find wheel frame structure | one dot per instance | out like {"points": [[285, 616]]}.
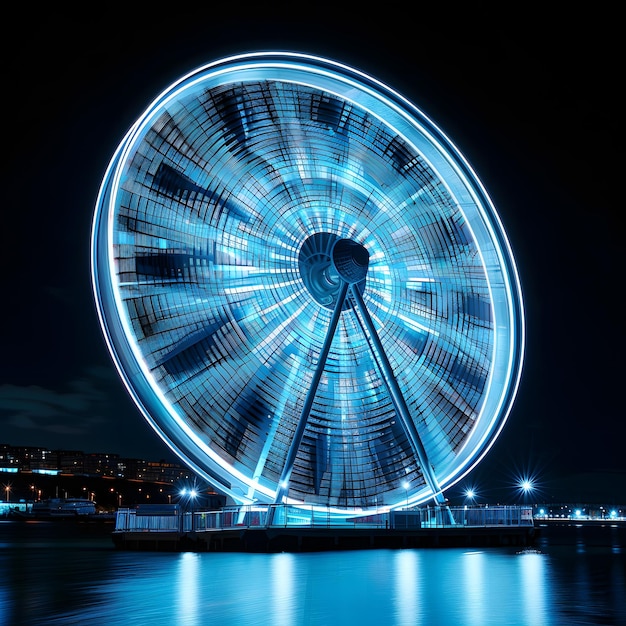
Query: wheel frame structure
{"points": [[305, 287]]}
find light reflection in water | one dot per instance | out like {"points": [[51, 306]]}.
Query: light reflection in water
{"points": [[406, 598], [52, 582], [473, 576], [283, 581], [533, 586], [187, 581]]}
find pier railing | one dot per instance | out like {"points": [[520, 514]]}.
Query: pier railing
{"points": [[179, 520]]}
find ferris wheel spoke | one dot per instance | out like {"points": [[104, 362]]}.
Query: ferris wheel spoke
{"points": [[308, 402], [380, 357]]}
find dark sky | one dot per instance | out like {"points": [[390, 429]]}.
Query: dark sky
{"points": [[529, 98]]}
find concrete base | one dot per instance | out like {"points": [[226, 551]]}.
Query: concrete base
{"points": [[270, 540]]}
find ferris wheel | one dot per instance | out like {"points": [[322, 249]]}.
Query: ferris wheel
{"points": [[305, 287]]}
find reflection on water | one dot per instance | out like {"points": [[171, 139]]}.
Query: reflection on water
{"points": [[55, 574]]}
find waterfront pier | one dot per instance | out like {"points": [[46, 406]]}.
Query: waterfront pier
{"points": [[301, 529]]}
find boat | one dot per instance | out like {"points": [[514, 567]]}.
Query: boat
{"points": [[59, 509], [63, 507]]}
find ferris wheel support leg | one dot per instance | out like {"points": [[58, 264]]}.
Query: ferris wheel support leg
{"points": [[308, 402], [398, 399]]}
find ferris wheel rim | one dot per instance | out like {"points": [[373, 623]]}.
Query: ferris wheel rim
{"points": [[119, 332]]}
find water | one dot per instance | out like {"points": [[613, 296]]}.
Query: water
{"points": [[59, 573]]}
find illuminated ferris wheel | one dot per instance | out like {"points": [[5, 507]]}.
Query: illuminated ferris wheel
{"points": [[305, 288]]}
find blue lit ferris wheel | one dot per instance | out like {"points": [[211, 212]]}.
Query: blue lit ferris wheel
{"points": [[305, 287]]}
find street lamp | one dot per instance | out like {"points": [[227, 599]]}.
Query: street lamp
{"points": [[406, 486], [193, 494], [470, 494], [190, 495], [526, 486]]}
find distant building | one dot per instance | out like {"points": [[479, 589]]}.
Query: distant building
{"points": [[76, 462], [27, 458], [101, 464], [164, 472], [71, 461]]}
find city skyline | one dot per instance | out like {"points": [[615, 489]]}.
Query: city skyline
{"points": [[531, 114], [44, 450], [21, 477]]}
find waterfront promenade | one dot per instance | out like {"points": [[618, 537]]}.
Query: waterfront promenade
{"points": [[212, 526], [283, 528]]}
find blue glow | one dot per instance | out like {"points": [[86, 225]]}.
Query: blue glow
{"points": [[188, 494], [475, 595], [284, 597], [187, 577], [213, 280], [406, 570], [533, 585]]}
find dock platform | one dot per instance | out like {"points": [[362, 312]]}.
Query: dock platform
{"points": [[293, 529], [321, 539]]}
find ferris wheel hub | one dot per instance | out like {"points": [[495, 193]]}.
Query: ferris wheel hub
{"points": [[351, 260]]}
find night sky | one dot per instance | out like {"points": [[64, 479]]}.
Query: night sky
{"points": [[529, 98]]}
